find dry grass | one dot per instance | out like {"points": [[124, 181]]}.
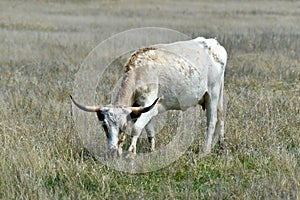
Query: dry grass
{"points": [[42, 46]]}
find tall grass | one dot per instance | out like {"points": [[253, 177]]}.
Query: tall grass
{"points": [[41, 155]]}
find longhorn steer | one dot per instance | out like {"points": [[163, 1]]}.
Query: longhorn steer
{"points": [[166, 77]]}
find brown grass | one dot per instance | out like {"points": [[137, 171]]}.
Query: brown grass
{"points": [[42, 46]]}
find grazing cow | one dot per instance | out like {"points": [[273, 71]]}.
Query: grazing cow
{"points": [[166, 77]]}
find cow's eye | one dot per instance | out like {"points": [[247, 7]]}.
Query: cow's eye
{"points": [[105, 123], [100, 116]]}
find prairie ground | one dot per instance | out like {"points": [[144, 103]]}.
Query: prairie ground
{"points": [[42, 44]]}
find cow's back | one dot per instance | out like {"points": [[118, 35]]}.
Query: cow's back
{"points": [[205, 54]]}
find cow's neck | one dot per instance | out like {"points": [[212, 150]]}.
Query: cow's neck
{"points": [[125, 95]]}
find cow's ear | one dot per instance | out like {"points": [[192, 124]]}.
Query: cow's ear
{"points": [[100, 115], [133, 116]]}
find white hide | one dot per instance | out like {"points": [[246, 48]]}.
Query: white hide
{"points": [[183, 74]]}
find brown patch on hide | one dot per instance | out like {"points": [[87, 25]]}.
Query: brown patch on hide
{"points": [[133, 58]]}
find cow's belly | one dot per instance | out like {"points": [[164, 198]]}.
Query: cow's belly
{"points": [[180, 94]]}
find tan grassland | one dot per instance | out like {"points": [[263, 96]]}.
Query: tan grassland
{"points": [[43, 42]]}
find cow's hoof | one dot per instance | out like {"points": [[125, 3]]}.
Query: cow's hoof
{"points": [[205, 152], [128, 155], [112, 154]]}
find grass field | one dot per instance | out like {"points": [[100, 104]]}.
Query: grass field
{"points": [[42, 44]]}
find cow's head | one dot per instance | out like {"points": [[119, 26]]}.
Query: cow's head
{"points": [[114, 121]]}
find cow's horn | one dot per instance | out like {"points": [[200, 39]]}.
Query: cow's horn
{"points": [[140, 110], [86, 108]]}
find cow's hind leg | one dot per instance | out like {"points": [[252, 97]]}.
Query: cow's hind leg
{"points": [[211, 104], [151, 135], [220, 121]]}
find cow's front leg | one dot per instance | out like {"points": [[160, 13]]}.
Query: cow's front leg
{"points": [[134, 136], [121, 143], [151, 135], [138, 126], [136, 132]]}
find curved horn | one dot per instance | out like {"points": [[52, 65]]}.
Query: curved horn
{"points": [[86, 108], [140, 110]]}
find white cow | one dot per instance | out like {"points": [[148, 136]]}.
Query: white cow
{"points": [[166, 77]]}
